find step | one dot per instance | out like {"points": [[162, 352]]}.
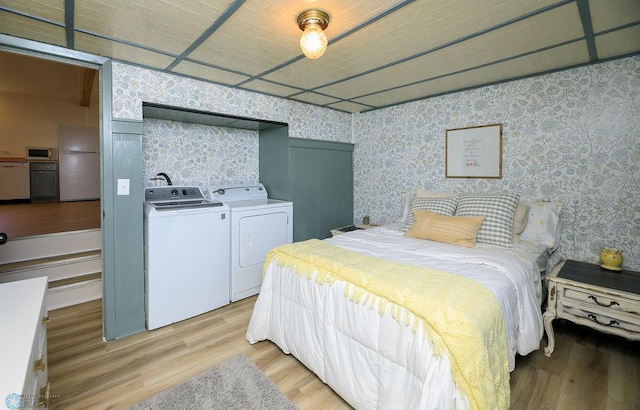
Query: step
{"points": [[73, 291], [50, 245], [74, 280], [55, 267]]}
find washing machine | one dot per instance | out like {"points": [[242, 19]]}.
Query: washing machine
{"points": [[186, 254], [258, 224]]}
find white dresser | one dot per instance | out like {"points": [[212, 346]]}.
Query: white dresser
{"points": [[23, 345]]}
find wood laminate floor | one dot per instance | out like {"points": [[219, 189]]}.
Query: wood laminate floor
{"points": [[20, 220], [588, 370]]}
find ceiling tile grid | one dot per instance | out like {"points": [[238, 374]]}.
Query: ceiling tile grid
{"points": [[381, 52]]}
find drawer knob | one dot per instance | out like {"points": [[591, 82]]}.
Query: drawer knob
{"points": [[39, 364], [612, 303], [595, 319]]}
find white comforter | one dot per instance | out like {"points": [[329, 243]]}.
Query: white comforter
{"points": [[372, 361]]}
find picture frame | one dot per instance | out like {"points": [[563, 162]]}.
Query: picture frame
{"points": [[474, 152]]}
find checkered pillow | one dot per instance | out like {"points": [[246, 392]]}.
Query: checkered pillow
{"points": [[443, 206], [499, 210]]}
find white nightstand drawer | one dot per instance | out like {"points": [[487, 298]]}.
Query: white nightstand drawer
{"points": [[601, 317], [591, 297]]}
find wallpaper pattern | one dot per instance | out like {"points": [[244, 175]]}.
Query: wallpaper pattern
{"points": [[132, 85], [195, 154], [571, 136]]}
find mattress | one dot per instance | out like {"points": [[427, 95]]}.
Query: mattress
{"points": [[380, 363]]}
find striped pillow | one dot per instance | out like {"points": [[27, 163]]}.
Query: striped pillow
{"points": [[442, 206], [499, 210], [455, 230]]}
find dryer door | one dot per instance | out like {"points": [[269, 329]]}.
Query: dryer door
{"points": [[259, 234]]}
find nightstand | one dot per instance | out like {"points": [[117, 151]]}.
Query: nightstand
{"points": [[349, 228], [589, 295]]}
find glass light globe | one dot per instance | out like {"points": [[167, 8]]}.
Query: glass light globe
{"points": [[313, 41]]}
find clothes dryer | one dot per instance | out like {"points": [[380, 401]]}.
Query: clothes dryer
{"points": [[258, 224]]}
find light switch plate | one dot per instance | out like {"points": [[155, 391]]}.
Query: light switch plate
{"points": [[123, 187]]}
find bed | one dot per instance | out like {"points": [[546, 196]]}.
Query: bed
{"points": [[379, 346]]}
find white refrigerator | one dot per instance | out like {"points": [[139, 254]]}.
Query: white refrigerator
{"points": [[79, 163]]}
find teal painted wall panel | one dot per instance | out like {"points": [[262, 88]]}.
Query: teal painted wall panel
{"points": [[317, 176], [124, 285]]}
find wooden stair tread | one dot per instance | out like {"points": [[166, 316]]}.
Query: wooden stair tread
{"points": [[76, 279], [8, 267]]}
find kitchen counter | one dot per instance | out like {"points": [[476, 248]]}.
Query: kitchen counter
{"points": [[23, 159], [13, 159]]}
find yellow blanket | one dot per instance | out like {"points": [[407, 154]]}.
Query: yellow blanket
{"points": [[462, 318]]}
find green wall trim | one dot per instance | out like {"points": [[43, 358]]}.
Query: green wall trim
{"points": [[320, 144], [124, 126]]}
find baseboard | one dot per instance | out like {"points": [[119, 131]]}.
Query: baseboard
{"points": [[74, 294]]}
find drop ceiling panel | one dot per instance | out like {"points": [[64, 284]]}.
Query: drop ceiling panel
{"points": [[418, 27], [209, 73], [263, 34], [349, 106], [619, 42], [31, 29], [269, 88], [314, 98], [45, 9], [572, 54], [608, 14], [525, 36], [119, 51], [157, 24], [375, 45]]}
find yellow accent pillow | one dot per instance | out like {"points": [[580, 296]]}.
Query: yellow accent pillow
{"points": [[455, 230]]}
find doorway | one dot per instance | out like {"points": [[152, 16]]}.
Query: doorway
{"points": [[38, 96]]}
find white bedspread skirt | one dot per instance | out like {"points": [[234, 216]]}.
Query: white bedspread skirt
{"points": [[370, 360]]}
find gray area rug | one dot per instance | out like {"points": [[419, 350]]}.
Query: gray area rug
{"points": [[235, 384]]}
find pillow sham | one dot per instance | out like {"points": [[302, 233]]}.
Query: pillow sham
{"points": [[499, 211], [420, 193], [520, 218], [544, 224], [454, 230], [443, 206]]}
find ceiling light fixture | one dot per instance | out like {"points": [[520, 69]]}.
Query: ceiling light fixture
{"points": [[313, 42]]}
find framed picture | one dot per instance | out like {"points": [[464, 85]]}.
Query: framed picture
{"points": [[474, 152]]}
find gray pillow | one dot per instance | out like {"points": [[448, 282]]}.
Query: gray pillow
{"points": [[498, 209], [443, 206]]}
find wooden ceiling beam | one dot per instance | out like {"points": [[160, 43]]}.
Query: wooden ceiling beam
{"points": [[88, 76]]}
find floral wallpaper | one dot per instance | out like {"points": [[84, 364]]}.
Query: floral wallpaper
{"points": [[195, 154], [132, 85], [571, 136]]}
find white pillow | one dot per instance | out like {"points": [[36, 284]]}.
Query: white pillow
{"points": [[544, 224]]}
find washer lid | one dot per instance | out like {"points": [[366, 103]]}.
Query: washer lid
{"points": [[228, 193]]}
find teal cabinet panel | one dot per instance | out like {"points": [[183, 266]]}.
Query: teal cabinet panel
{"points": [[317, 176], [335, 200], [304, 193]]}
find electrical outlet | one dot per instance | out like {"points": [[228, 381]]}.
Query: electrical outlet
{"points": [[123, 187]]}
